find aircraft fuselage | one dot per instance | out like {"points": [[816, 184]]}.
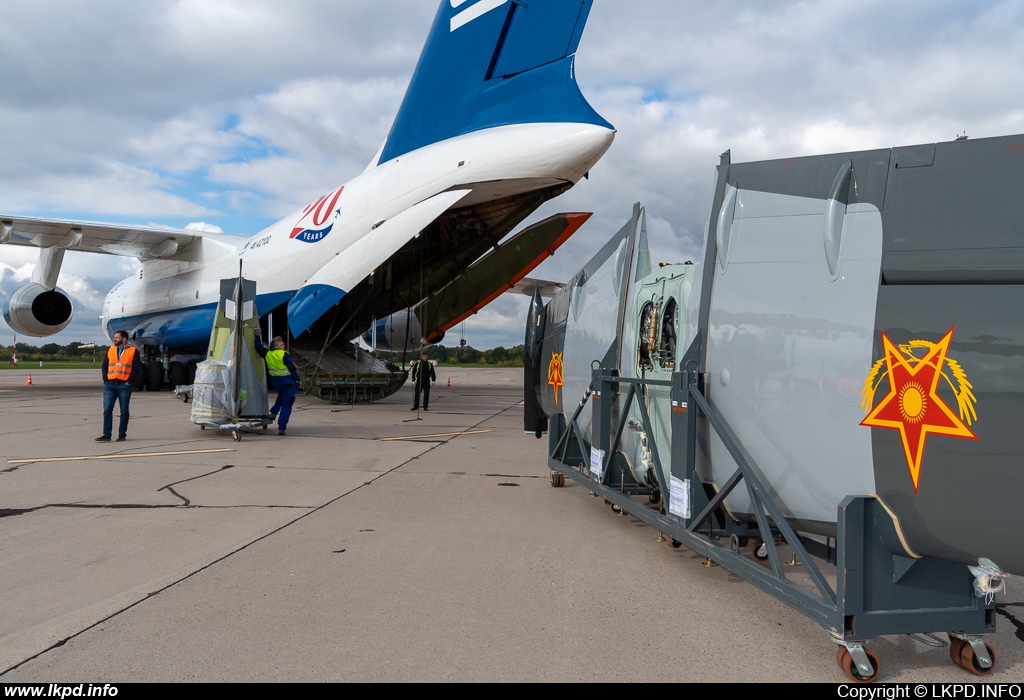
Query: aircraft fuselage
{"points": [[172, 302]]}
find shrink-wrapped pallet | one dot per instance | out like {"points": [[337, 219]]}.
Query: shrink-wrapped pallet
{"points": [[212, 393]]}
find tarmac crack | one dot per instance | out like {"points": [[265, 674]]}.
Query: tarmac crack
{"points": [[185, 501], [241, 548], [8, 512], [1001, 609]]}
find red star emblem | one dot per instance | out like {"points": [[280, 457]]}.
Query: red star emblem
{"points": [[912, 405], [556, 372]]}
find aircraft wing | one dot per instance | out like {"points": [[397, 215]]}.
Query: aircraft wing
{"points": [[144, 242]]}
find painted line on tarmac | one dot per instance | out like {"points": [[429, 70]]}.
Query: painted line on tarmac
{"points": [[435, 435], [126, 456]]}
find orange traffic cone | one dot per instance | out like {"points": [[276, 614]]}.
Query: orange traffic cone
{"points": [[29, 382], [449, 382]]}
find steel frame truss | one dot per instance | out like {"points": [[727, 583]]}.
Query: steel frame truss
{"points": [[877, 592]]}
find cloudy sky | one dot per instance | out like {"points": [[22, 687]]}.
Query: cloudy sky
{"points": [[234, 113]]}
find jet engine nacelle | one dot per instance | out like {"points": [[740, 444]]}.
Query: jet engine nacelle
{"points": [[37, 312], [399, 331]]}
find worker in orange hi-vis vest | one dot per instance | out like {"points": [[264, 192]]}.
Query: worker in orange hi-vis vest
{"points": [[120, 366]]}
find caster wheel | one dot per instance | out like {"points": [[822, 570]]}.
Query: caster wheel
{"points": [[264, 427], [655, 497], [955, 646], [615, 508], [202, 427], [969, 660], [846, 663], [674, 543], [607, 502], [557, 480], [236, 436], [761, 554]]}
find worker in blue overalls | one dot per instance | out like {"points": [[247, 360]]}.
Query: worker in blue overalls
{"points": [[283, 377]]}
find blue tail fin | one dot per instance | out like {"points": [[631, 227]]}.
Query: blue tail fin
{"points": [[492, 63]]}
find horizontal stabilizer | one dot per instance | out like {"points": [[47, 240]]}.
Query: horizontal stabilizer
{"points": [[331, 282], [496, 273]]}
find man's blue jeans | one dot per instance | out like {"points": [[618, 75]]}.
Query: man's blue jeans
{"points": [[122, 393]]}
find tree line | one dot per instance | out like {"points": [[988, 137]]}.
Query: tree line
{"points": [[465, 355], [50, 352]]}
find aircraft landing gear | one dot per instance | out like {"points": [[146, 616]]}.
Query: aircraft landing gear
{"points": [[155, 380]]}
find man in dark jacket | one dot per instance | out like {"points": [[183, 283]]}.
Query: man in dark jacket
{"points": [[423, 377], [121, 365]]}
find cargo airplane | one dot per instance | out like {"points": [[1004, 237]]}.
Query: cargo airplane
{"points": [[492, 125]]}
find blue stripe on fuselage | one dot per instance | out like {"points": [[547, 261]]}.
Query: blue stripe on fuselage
{"points": [[184, 330]]}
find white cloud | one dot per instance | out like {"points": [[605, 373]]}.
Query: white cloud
{"points": [[238, 112], [116, 188], [203, 226], [186, 143]]}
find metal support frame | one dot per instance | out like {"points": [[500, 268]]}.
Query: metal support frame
{"points": [[879, 590], [877, 593]]}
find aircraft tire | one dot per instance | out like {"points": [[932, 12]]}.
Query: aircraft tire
{"points": [[155, 376], [139, 382], [178, 374]]}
